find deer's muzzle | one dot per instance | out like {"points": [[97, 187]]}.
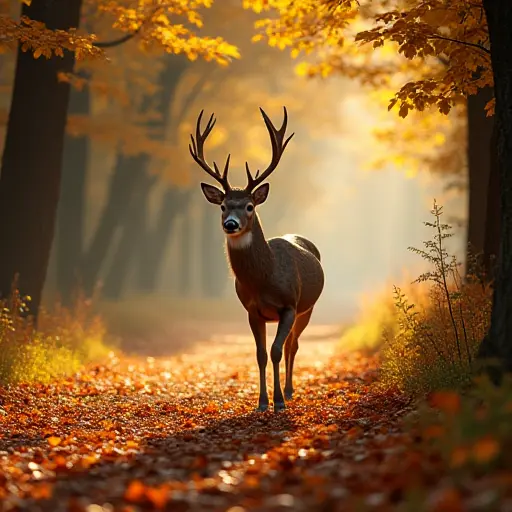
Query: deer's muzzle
{"points": [[231, 225]]}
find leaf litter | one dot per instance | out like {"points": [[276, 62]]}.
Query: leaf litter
{"points": [[182, 435]]}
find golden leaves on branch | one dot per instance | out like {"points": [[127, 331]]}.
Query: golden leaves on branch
{"points": [[152, 23], [450, 38], [35, 37]]}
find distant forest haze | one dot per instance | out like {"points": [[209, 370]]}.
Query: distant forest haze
{"points": [[164, 240], [356, 178]]}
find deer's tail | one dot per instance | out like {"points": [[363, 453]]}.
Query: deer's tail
{"points": [[308, 245]]}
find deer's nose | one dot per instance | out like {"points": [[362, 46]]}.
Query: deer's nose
{"points": [[231, 225]]}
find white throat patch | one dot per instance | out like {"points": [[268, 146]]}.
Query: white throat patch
{"points": [[240, 241]]}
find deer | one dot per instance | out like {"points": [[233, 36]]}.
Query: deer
{"points": [[276, 280]]}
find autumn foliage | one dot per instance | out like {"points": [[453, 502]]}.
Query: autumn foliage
{"points": [[64, 340], [403, 426]]}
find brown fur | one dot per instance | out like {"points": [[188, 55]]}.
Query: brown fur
{"points": [[281, 272], [276, 280]]}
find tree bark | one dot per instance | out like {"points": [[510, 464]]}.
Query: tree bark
{"points": [[498, 342], [71, 210], [480, 128], [492, 218], [32, 158]]}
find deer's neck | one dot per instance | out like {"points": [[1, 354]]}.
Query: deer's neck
{"points": [[250, 256]]}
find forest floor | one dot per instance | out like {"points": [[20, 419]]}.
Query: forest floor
{"points": [[180, 434]]}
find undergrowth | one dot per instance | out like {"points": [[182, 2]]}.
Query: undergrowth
{"points": [[428, 334], [64, 340], [435, 346]]}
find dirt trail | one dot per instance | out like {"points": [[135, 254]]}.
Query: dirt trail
{"points": [[180, 434]]}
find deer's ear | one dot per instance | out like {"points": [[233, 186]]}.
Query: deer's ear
{"points": [[260, 195], [213, 194]]}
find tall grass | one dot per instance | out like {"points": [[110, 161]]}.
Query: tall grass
{"points": [[64, 340]]}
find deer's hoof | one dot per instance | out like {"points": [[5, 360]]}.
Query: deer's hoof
{"points": [[279, 406], [288, 394], [262, 408]]}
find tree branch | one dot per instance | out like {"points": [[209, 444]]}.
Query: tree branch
{"points": [[126, 37], [465, 43], [117, 42]]}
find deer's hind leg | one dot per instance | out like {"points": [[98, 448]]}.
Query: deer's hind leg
{"points": [[291, 348]]}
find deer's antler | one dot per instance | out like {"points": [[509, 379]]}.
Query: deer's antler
{"points": [[197, 152], [278, 146]]}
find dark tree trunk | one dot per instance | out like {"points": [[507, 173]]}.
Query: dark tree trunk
{"points": [[129, 170], [152, 254], [493, 216], [480, 128], [498, 343], [32, 158], [71, 211], [213, 259], [122, 185], [134, 224]]}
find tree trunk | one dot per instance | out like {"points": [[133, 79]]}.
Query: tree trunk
{"points": [[480, 129], [135, 221], [71, 211], [492, 221], [122, 184], [498, 343], [152, 256], [129, 170], [213, 259], [32, 158]]}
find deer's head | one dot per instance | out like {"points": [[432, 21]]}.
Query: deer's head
{"points": [[238, 204]]}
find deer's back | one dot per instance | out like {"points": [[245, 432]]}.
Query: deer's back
{"points": [[298, 269], [306, 244]]}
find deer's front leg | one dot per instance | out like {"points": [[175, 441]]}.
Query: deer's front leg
{"points": [[286, 321], [259, 330]]}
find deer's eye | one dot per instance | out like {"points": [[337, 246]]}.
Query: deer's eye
{"points": [[249, 208], [222, 208]]}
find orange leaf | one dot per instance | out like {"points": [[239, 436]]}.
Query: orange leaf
{"points": [[446, 401], [447, 500], [212, 407], [54, 441], [459, 456], [134, 491], [158, 496], [433, 432], [43, 491], [486, 449]]}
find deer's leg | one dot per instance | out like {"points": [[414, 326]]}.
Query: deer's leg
{"points": [[284, 329], [291, 348], [259, 330]]}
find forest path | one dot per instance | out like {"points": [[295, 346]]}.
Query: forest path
{"points": [[181, 434]]}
